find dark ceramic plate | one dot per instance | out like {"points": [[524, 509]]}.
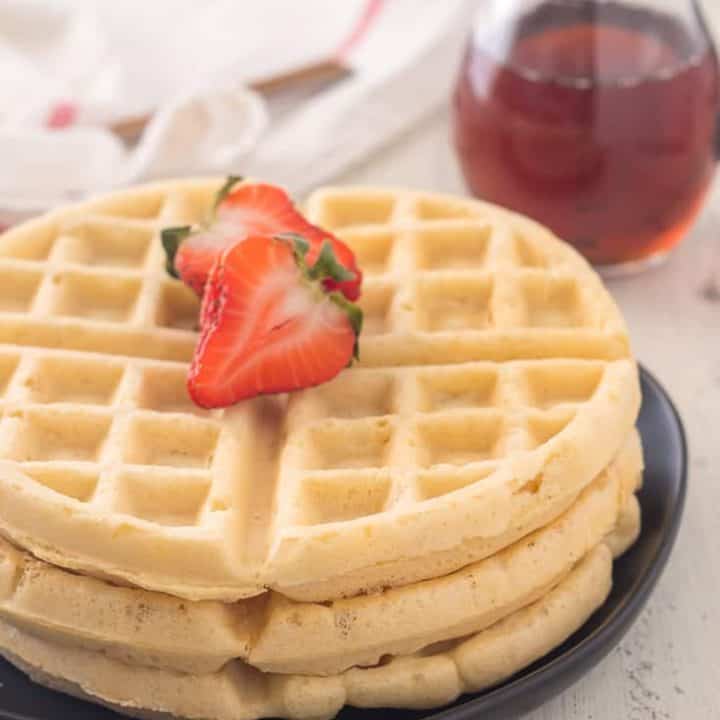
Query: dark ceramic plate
{"points": [[636, 573]]}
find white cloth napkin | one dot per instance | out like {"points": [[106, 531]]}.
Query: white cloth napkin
{"points": [[83, 64]]}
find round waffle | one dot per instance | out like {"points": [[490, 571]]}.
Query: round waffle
{"points": [[495, 383], [279, 635]]}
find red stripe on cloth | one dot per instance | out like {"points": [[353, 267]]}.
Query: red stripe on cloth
{"points": [[367, 17], [61, 116]]}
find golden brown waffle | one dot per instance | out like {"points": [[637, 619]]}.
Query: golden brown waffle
{"points": [[278, 635], [239, 692], [449, 280], [495, 383]]}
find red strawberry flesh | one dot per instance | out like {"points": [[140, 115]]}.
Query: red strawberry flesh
{"points": [[266, 328], [255, 209]]}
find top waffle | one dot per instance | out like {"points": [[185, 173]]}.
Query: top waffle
{"points": [[495, 382]]}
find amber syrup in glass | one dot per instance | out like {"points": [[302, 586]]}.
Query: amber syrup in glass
{"points": [[598, 123]]}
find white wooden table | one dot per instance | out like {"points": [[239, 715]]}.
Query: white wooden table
{"points": [[668, 667]]}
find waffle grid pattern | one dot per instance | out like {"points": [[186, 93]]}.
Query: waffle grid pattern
{"points": [[436, 267], [275, 634], [419, 433], [90, 281], [485, 340], [119, 434], [106, 429]]}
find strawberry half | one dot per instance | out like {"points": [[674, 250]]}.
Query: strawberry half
{"points": [[250, 209], [269, 325]]}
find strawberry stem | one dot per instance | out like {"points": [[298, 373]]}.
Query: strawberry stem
{"points": [[171, 240]]}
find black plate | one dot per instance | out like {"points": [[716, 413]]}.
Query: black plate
{"points": [[636, 573]]}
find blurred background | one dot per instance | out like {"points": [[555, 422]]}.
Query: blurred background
{"points": [[95, 95], [559, 109]]}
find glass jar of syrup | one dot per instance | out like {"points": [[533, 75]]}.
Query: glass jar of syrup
{"points": [[597, 118]]}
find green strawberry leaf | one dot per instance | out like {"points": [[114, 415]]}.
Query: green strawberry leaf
{"points": [[327, 266], [225, 190], [300, 247], [355, 316], [171, 240]]}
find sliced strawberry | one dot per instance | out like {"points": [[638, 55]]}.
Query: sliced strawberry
{"points": [[190, 256], [269, 325], [250, 209]]}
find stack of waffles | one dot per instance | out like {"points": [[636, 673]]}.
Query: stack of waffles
{"points": [[430, 522]]}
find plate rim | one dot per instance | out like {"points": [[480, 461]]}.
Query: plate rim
{"points": [[579, 659]]}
